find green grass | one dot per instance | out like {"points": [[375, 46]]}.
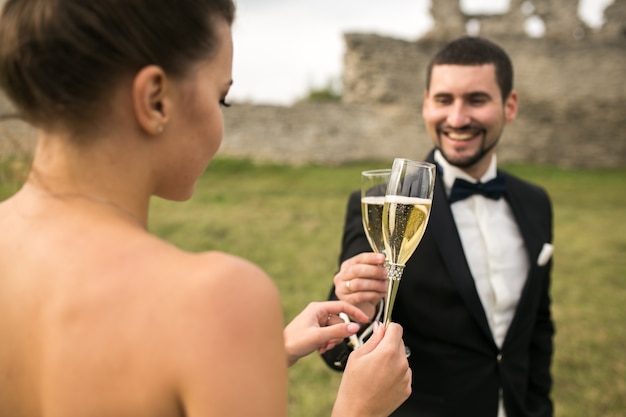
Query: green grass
{"points": [[289, 221]]}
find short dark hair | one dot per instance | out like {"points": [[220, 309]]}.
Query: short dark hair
{"points": [[58, 58], [472, 50]]}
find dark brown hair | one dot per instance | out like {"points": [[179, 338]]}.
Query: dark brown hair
{"points": [[58, 58], [470, 50]]}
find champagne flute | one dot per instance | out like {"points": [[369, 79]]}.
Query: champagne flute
{"points": [[373, 187], [406, 211]]}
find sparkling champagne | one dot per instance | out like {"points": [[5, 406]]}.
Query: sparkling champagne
{"points": [[372, 209], [404, 223]]}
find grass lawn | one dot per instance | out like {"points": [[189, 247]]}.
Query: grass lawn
{"points": [[289, 221]]}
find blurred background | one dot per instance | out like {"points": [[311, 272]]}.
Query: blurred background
{"points": [[327, 81], [311, 90], [285, 48]]}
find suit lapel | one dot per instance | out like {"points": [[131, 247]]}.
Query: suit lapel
{"points": [[532, 241], [447, 238], [517, 202]]}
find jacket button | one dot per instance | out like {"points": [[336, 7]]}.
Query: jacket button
{"points": [[499, 357]]}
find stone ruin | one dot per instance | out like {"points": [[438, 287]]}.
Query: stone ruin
{"points": [[571, 82]]}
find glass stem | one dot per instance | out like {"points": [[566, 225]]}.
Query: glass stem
{"points": [[394, 273]]}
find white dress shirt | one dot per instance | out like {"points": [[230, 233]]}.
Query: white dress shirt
{"points": [[494, 250]]}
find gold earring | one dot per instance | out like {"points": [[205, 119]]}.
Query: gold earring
{"points": [[159, 129]]}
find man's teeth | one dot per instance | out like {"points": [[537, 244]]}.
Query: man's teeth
{"points": [[460, 136]]}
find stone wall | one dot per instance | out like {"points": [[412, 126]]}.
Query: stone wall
{"points": [[570, 82], [323, 133], [571, 85]]}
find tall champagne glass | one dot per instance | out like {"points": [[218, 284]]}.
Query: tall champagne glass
{"points": [[406, 211], [373, 187]]}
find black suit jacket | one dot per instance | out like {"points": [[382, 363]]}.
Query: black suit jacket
{"points": [[458, 369]]}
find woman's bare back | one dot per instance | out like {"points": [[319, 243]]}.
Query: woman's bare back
{"points": [[100, 318]]}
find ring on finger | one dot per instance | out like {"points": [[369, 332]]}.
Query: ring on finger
{"points": [[348, 286]]}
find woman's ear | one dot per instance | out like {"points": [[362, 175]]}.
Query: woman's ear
{"points": [[150, 100]]}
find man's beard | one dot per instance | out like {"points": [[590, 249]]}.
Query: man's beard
{"points": [[472, 160]]}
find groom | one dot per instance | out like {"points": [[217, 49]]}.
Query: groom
{"points": [[474, 298]]}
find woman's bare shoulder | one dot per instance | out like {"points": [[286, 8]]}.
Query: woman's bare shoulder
{"points": [[215, 322], [227, 280], [216, 271], [227, 337]]}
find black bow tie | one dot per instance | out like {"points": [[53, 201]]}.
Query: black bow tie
{"points": [[462, 189]]}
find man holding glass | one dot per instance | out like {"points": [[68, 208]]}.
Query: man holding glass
{"points": [[474, 299]]}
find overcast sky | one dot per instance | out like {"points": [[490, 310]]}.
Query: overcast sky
{"points": [[283, 48]]}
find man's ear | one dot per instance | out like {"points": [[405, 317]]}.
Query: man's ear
{"points": [[510, 107], [150, 99]]}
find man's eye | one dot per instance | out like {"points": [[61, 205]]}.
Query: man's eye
{"points": [[478, 101], [224, 103]]}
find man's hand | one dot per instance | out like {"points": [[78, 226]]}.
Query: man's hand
{"points": [[362, 281]]}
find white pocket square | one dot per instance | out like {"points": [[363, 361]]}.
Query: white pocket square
{"points": [[545, 254]]}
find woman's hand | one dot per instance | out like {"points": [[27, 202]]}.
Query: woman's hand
{"points": [[318, 327], [377, 378]]}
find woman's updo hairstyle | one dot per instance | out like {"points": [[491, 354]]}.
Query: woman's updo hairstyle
{"points": [[58, 58]]}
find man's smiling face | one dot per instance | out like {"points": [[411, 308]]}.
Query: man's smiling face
{"points": [[465, 115]]}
